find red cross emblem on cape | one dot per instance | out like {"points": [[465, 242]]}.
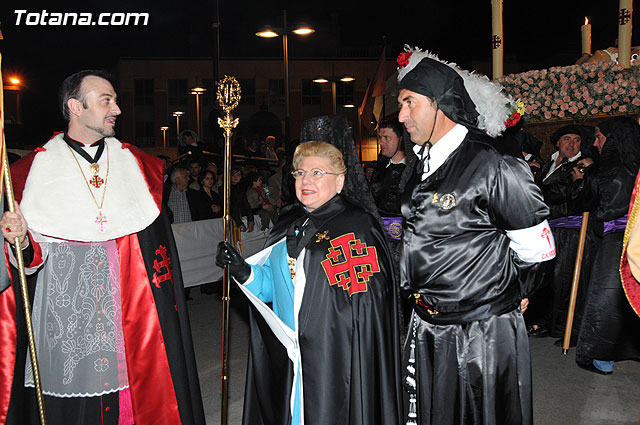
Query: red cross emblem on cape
{"points": [[159, 265], [350, 263]]}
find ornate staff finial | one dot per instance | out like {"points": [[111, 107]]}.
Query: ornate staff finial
{"points": [[228, 98]]}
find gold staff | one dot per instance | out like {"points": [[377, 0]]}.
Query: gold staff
{"points": [[26, 304], [228, 98], [576, 280]]}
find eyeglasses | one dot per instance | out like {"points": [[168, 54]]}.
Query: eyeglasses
{"points": [[315, 174]]}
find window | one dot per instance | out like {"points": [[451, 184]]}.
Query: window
{"points": [[177, 92], [276, 91], [143, 92], [209, 97], [344, 93], [144, 133], [248, 91], [311, 92]]}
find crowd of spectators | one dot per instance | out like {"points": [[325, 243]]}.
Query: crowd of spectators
{"points": [[194, 182]]}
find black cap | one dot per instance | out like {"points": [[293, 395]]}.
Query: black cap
{"points": [[442, 83]]}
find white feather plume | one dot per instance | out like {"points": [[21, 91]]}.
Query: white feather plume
{"points": [[492, 104]]}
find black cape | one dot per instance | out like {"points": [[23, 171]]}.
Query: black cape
{"points": [[349, 349], [605, 332]]}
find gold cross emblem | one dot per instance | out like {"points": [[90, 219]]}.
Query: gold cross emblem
{"points": [[322, 235]]}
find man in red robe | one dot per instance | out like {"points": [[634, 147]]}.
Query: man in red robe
{"points": [[110, 322]]}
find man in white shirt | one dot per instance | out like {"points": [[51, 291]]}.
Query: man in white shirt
{"points": [[475, 234], [568, 140]]}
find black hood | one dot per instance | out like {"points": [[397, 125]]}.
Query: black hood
{"points": [[440, 82]]}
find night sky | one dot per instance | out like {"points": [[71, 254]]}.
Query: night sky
{"points": [[537, 34]]}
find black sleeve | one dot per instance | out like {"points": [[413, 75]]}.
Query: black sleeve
{"points": [[516, 201]]}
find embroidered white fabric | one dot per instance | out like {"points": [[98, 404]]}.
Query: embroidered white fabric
{"points": [[77, 321]]}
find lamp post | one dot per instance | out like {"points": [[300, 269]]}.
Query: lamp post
{"points": [[164, 129], [333, 79], [15, 85], [197, 91], [177, 114], [271, 32]]}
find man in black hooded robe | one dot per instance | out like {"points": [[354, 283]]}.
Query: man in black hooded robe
{"points": [[475, 234]]}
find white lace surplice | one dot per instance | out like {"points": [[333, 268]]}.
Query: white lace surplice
{"points": [[77, 320]]}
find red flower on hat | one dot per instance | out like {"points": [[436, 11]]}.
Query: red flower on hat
{"points": [[403, 59], [513, 119]]}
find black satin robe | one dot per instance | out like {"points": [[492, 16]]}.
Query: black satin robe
{"points": [[385, 187], [472, 362], [348, 343], [549, 305], [609, 323]]}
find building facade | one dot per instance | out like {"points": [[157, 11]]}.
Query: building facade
{"points": [[151, 90]]}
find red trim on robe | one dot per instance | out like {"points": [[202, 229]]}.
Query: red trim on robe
{"points": [[152, 392], [19, 172], [630, 285], [7, 343], [37, 254], [151, 168]]}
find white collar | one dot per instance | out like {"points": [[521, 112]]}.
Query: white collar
{"points": [[402, 161], [555, 166], [442, 149], [56, 201]]}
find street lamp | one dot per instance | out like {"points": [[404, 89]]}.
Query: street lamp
{"points": [[164, 129], [197, 91], [333, 80], [271, 32], [177, 114], [15, 85]]}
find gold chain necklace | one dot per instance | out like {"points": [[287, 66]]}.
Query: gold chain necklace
{"points": [[100, 218]]}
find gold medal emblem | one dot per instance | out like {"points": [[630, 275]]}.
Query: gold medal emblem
{"points": [[447, 201]]}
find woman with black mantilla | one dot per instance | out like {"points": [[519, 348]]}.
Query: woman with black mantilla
{"points": [[327, 352]]}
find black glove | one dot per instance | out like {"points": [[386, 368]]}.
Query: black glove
{"points": [[228, 256]]}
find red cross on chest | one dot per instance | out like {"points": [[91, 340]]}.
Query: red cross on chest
{"points": [[96, 181], [350, 263]]}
